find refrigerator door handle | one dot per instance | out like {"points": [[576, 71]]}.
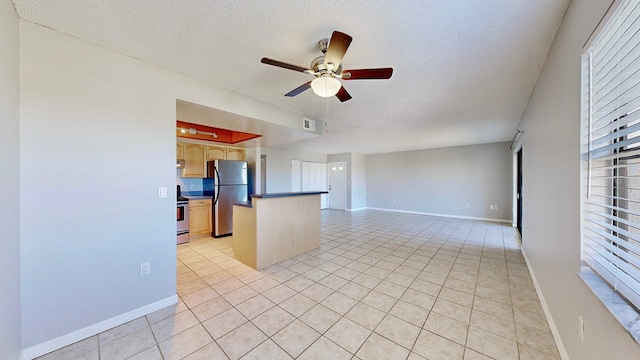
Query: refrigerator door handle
{"points": [[218, 189]]}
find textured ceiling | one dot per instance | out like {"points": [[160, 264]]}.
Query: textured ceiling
{"points": [[463, 69]]}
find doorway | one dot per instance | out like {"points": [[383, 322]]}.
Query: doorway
{"points": [[519, 192], [337, 185]]}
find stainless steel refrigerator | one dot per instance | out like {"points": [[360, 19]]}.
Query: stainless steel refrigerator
{"points": [[229, 184]]}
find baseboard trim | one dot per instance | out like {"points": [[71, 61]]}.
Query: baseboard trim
{"points": [[443, 215], [554, 329], [357, 209], [68, 339]]}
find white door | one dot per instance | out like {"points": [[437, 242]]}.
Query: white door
{"points": [[337, 185], [314, 178], [321, 183], [295, 175], [305, 176]]}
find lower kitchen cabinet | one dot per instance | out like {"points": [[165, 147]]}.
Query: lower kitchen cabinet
{"points": [[200, 217]]}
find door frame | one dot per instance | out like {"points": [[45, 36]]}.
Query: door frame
{"points": [[519, 191], [263, 174]]}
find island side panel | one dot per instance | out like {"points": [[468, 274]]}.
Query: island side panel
{"points": [[244, 235], [286, 227]]}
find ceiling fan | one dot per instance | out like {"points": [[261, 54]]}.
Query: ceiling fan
{"points": [[327, 69]]}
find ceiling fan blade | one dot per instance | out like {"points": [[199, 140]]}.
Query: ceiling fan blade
{"points": [[299, 89], [343, 95], [361, 74], [338, 46], [282, 65]]}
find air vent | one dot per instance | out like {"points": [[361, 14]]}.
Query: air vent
{"points": [[308, 124]]}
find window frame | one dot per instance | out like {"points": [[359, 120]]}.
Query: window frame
{"points": [[611, 179]]}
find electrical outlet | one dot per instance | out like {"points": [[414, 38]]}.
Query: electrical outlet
{"points": [[162, 192], [495, 207], [145, 268], [581, 329]]}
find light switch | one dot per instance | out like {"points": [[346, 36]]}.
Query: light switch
{"points": [[162, 192]]}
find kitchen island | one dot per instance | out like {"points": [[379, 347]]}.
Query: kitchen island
{"points": [[276, 227]]}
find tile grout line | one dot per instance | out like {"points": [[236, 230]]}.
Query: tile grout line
{"points": [[364, 236]]}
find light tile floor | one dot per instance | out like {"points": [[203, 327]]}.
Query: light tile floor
{"points": [[382, 286]]}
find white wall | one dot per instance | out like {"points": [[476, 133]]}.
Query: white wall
{"points": [[358, 181], [10, 325], [97, 137], [443, 181], [252, 156], [279, 166], [551, 193], [97, 134]]}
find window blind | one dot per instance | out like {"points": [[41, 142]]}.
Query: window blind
{"points": [[611, 150]]}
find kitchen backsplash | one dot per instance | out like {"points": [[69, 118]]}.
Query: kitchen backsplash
{"points": [[189, 186]]}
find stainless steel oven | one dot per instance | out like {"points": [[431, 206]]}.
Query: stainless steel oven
{"points": [[182, 216]]}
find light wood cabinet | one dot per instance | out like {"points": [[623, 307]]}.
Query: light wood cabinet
{"points": [[215, 152], [200, 217], [197, 155], [235, 154], [179, 151], [275, 229], [195, 163]]}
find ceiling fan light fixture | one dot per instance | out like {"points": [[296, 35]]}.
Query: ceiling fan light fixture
{"points": [[325, 86]]}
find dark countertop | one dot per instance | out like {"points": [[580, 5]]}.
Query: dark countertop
{"points": [[200, 197], [286, 194], [278, 195], [244, 204]]}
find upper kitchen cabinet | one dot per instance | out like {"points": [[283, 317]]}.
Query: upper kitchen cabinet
{"points": [[197, 155], [235, 154], [195, 160], [179, 151], [215, 152]]}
